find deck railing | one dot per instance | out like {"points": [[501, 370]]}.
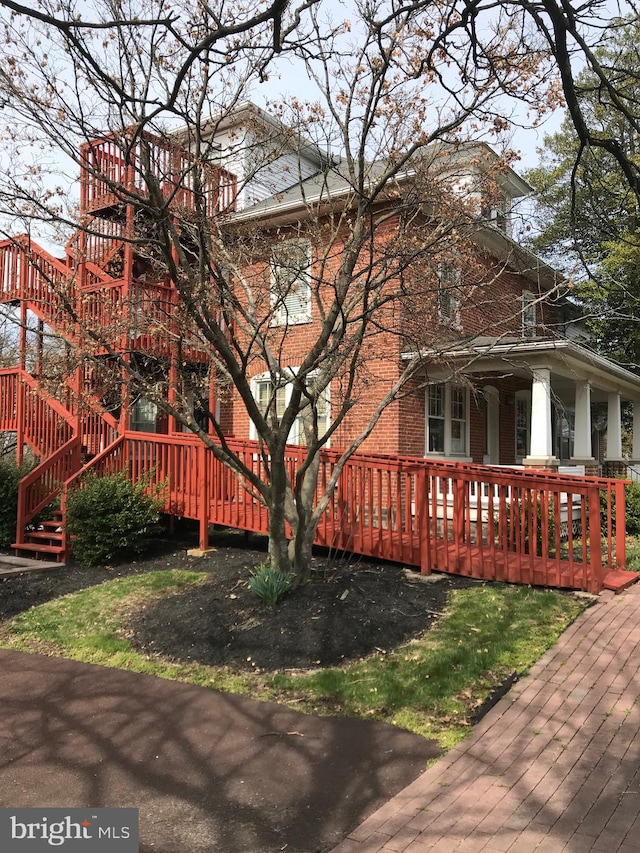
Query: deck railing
{"points": [[9, 384], [478, 521], [114, 170], [30, 273], [42, 485], [58, 436]]}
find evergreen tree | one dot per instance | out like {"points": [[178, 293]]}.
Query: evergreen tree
{"points": [[588, 215]]}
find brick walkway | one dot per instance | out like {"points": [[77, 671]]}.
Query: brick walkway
{"points": [[555, 766]]}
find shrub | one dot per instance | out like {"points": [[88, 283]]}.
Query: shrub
{"points": [[10, 476], [110, 518], [632, 510], [632, 515], [269, 584], [519, 519]]}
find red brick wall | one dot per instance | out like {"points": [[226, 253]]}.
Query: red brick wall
{"points": [[490, 305]]}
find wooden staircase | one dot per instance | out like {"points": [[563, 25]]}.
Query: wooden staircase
{"points": [[45, 541], [58, 430]]}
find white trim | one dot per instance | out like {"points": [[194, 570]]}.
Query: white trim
{"points": [[294, 306], [447, 421]]}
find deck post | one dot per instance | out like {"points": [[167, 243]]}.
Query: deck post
{"points": [[20, 413], [621, 526], [422, 500], [595, 541], [203, 509]]}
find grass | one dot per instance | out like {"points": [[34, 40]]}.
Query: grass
{"points": [[430, 686], [632, 544]]}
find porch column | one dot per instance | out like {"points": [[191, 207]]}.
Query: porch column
{"points": [[582, 450], [614, 428], [541, 446], [635, 448]]}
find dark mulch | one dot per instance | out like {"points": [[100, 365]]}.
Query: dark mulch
{"points": [[350, 608]]}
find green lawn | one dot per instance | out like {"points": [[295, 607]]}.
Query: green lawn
{"points": [[430, 686]]}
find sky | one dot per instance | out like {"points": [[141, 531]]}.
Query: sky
{"points": [[291, 80]]}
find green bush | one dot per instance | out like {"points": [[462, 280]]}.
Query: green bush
{"points": [[269, 584], [632, 510], [10, 476], [632, 514], [519, 517], [110, 518]]}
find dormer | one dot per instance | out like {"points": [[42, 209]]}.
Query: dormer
{"points": [[266, 156], [487, 184]]}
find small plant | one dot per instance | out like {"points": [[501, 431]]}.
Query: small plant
{"points": [[110, 518], [269, 584], [632, 510]]}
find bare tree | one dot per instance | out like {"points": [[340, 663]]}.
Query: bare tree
{"points": [[299, 260]]}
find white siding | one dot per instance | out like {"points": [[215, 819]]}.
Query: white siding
{"points": [[260, 167]]}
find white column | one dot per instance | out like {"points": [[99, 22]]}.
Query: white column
{"points": [[541, 449], [614, 427], [636, 431], [582, 430]]}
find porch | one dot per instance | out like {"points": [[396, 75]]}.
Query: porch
{"points": [[569, 408]]}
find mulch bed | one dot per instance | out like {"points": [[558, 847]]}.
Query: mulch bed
{"points": [[351, 607]]}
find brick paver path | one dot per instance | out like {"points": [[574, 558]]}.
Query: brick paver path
{"points": [[555, 766]]}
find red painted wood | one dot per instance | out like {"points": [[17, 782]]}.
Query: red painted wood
{"points": [[417, 512]]}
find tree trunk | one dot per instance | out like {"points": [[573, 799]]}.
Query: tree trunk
{"points": [[292, 555], [304, 531], [278, 544]]}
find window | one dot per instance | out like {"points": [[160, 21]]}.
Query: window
{"points": [[448, 284], [563, 429], [495, 210], [528, 314], [263, 392], [290, 282], [447, 419], [143, 416]]}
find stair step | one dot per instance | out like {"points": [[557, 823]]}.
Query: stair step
{"points": [[54, 526], [55, 535], [618, 579], [37, 548]]}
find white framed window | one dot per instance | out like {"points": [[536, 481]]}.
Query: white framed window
{"points": [[144, 416], [448, 303], [447, 420], [496, 211], [291, 282], [529, 319], [523, 424], [267, 396]]}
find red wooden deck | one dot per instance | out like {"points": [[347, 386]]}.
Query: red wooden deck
{"points": [[485, 522], [526, 527]]}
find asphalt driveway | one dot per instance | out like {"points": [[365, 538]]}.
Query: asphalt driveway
{"points": [[209, 771]]}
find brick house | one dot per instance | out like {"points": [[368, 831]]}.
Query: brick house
{"points": [[510, 377], [501, 375]]}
